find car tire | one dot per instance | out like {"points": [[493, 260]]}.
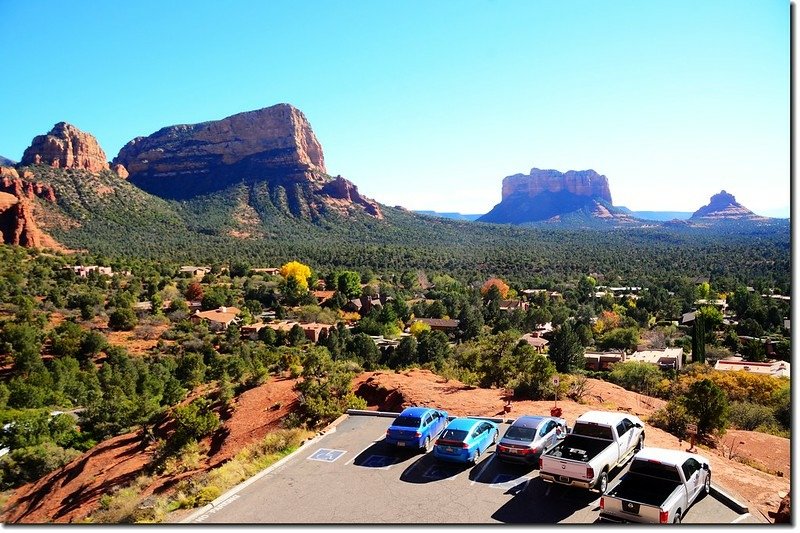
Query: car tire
{"points": [[427, 446], [477, 456], [677, 519], [640, 444], [602, 482], [494, 439]]}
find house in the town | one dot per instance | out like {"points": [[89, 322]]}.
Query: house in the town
{"points": [[602, 360], [218, 319], [447, 325], [666, 358], [770, 368], [513, 305], [536, 341], [83, 271], [197, 272]]}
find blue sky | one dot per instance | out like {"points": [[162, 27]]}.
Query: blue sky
{"points": [[429, 105]]}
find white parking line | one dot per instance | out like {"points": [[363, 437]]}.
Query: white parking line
{"points": [[367, 447], [741, 518], [485, 464]]}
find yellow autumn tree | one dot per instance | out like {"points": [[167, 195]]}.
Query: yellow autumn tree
{"points": [[418, 327], [298, 271], [497, 282]]}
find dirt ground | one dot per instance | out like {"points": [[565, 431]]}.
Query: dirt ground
{"points": [[73, 492]]}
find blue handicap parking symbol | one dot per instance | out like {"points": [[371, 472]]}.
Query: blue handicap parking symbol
{"points": [[326, 455], [436, 472]]}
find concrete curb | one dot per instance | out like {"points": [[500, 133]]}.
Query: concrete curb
{"points": [[387, 414], [330, 428], [729, 500]]}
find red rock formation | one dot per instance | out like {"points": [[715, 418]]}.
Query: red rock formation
{"points": [[66, 147], [343, 189], [24, 189], [17, 223], [120, 171], [582, 183], [723, 206]]}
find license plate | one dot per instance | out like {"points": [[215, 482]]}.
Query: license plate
{"points": [[563, 479], [514, 450], [401, 443], [448, 450]]}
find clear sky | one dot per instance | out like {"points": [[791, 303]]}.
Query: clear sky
{"points": [[429, 105]]}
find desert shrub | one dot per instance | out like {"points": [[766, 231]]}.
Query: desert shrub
{"points": [[122, 319], [124, 506], [578, 387], [708, 403], [193, 422], [752, 417], [638, 377], [672, 418], [782, 403], [30, 463], [535, 379]]}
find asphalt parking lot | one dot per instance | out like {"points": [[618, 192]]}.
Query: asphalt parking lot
{"points": [[351, 476]]}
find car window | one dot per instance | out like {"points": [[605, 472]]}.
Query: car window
{"points": [[429, 420], [628, 424], [690, 467], [545, 429], [407, 421], [621, 428], [520, 433], [454, 434]]}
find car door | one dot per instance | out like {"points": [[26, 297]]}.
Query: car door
{"points": [[622, 438], [441, 422], [545, 435], [691, 471], [484, 436]]}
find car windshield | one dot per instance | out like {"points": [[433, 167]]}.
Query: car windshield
{"points": [[406, 422], [454, 434], [593, 430], [520, 433]]}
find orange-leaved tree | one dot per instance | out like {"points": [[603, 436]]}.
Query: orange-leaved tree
{"points": [[497, 282]]}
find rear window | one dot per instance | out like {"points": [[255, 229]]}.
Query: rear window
{"points": [[592, 430], [406, 422], [655, 470], [454, 434], [520, 433]]}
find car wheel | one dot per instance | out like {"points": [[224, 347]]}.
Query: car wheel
{"points": [[707, 484], [602, 482], [677, 519], [640, 444], [477, 456], [427, 447], [494, 439]]}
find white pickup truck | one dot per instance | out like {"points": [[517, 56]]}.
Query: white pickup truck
{"points": [[599, 442], [658, 489]]}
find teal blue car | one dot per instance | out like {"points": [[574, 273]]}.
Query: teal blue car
{"points": [[464, 440]]}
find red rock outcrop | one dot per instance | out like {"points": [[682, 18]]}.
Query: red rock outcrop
{"points": [[17, 222], [343, 189], [11, 183], [579, 182], [120, 171], [65, 146], [723, 206]]}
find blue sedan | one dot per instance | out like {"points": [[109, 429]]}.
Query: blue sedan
{"points": [[465, 439], [416, 427]]}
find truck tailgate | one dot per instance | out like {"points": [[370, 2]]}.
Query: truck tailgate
{"points": [[630, 510], [564, 468]]}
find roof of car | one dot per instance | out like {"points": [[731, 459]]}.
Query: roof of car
{"points": [[669, 457], [528, 421], [605, 417], [416, 411], [463, 424]]}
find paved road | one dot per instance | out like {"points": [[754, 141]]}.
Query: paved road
{"points": [[351, 476]]}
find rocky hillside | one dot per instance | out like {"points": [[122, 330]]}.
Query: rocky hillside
{"points": [[573, 197], [723, 206], [18, 223], [275, 145]]}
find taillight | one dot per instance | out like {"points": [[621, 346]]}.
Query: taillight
{"points": [[464, 445], [533, 450], [589, 472], [663, 517], [602, 503], [417, 434]]}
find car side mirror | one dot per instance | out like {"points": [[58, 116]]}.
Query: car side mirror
{"points": [[705, 466], [638, 425]]}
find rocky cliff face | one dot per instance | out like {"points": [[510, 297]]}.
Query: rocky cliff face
{"points": [[17, 222], [190, 159], [723, 206], [66, 147], [581, 183], [274, 145], [548, 195]]}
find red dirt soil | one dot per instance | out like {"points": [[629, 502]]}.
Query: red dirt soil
{"points": [[73, 492]]}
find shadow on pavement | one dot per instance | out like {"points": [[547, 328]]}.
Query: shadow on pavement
{"points": [[382, 455], [428, 469], [538, 502]]}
